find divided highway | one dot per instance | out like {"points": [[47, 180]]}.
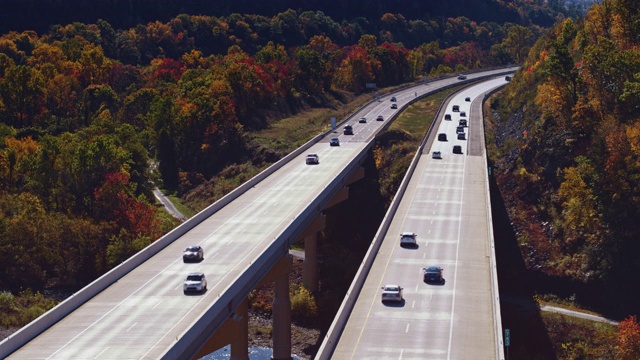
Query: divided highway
{"points": [[143, 313], [446, 205]]}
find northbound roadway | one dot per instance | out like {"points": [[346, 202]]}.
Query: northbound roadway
{"points": [[446, 204]]}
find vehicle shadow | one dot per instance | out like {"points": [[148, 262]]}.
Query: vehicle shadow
{"points": [[436, 283], [397, 304], [410, 246]]}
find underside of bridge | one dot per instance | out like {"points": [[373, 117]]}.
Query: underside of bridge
{"points": [[235, 330]]}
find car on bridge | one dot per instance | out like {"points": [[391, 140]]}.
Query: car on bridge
{"points": [[379, 118], [193, 253], [455, 108], [394, 106], [457, 149], [195, 282], [436, 155], [447, 116], [432, 273], [463, 114], [348, 130], [392, 293], [393, 98], [467, 99], [408, 239], [462, 136], [334, 142], [362, 120], [463, 122], [442, 137], [462, 77], [313, 159]]}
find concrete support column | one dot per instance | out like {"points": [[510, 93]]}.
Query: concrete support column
{"points": [[281, 319], [240, 346], [310, 267]]}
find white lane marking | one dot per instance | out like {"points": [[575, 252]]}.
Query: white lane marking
{"points": [[100, 353], [413, 304], [407, 329], [455, 267], [158, 303], [131, 327], [112, 309], [401, 352]]}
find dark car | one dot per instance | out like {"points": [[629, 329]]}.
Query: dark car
{"points": [[442, 137], [393, 98], [457, 149], [334, 142], [432, 273], [348, 130], [447, 116], [394, 106], [456, 108], [379, 118], [463, 122], [460, 129], [507, 78], [463, 113], [362, 120], [462, 77], [461, 136], [467, 99], [193, 253]]}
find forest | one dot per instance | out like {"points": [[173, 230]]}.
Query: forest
{"points": [[567, 158], [93, 117]]}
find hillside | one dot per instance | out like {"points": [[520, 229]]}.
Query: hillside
{"points": [[566, 159]]}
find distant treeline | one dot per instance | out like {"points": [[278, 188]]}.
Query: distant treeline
{"points": [[39, 15]]}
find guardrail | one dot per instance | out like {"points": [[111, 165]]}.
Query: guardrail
{"points": [[337, 326]]}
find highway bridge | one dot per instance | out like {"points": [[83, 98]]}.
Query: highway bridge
{"points": [[138, 309], [446, 203]]}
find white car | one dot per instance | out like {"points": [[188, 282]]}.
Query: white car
{"points": [[392, 293], [313, 159], [195, 282], [408, 239]]}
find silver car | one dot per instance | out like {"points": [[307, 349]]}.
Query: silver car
{"points": [[392, 293], [408, 239], [195, 282]]}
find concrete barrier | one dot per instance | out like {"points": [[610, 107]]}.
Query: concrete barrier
{"points": [[337, 326]]}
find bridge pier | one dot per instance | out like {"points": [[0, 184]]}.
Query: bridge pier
{"points": [[234, 331], [281, 312], [310, 265]]}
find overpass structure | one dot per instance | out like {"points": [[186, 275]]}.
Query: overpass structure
{"points": [[138, 309], [445, 201]]}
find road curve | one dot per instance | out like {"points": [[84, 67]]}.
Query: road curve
{"points": [[446, 205]]}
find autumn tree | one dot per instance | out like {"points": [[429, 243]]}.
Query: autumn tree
{"points": [[21, 92], [628, 340]]}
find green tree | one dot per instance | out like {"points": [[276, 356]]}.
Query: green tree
{"points": [[21, 92]]}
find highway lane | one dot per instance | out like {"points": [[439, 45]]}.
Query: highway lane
{"points": [[145, 312], [445, 204]]}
